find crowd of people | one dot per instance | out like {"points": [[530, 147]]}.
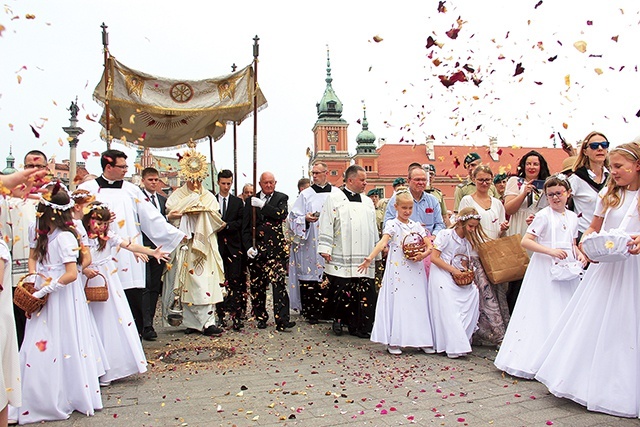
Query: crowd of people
{"points": [[403, 272]]}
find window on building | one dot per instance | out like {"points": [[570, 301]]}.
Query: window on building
{"points": [[332, 148], [334, 173], [331, 106]]}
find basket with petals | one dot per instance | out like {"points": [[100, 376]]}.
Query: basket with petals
{"points": [[413, 244], [23, 296], [97, 293], [466, 275], [606, 246]]}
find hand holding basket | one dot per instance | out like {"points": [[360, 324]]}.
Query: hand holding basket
{"points": [[415, 246], [466, 275], [23, 296], [97, 293]]}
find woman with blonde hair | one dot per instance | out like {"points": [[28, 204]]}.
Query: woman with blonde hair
{"points": [[589, 176]]}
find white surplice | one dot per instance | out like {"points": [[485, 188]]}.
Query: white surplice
{"points": [[134, 214]]}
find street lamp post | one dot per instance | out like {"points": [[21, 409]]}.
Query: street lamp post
{"points": [[73, 131]]}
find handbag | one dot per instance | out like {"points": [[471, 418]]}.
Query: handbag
{"points": [[503, 259], [97, 293], [563, 270]]}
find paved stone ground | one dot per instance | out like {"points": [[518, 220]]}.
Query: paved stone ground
{"points": [[309, 377]]}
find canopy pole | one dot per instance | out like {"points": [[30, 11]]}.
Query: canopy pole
{"points": [[255, 133], [107, 110]]}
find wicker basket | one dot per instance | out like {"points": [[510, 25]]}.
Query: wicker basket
{"points": [[414, 246], [466, 276], [23, 296], [96, 293]]}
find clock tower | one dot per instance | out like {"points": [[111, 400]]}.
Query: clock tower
{"points": [[330, 133]]}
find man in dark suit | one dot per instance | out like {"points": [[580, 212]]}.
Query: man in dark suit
{"points": [[230, 247], [267, 255], [153, 281]]}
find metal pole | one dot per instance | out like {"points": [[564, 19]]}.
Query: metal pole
{"points": [[235, 149], [107, 110], [213, 183], [255, 131]]}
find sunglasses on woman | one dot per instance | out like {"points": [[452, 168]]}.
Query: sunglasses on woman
{"points": [[602, 144]]}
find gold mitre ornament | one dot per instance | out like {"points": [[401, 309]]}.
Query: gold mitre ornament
{"points": [[193, 165]]}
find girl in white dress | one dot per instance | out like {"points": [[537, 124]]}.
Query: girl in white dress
{"points": [[402, 310], [116, 327], [552, 239], [592, 354], [494, 309], [522, 199], [9, 361], [454, 309], [59, 368]]}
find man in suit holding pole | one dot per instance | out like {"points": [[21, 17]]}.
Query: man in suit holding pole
{"points": [[266, 252], [153, 282], [230, 247]]}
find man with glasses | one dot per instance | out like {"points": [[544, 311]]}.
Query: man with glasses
{"points": [[426, 208], [134, 214], [471, 161], [306, 266]]}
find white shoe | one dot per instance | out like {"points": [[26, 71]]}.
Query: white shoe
{"points": [[12, 422], [428, 350], [394, 349], [105, 383], [453, 355]]}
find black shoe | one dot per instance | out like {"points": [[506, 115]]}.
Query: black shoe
{"points": [[312, 321], [237, 325], [360, 334], [212, 331], [222, 323], [336, 327], [284, 326], [262, 324], [149, 334], [189, 331]]}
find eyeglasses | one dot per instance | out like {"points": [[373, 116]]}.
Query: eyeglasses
{"points": [[35, 166], [121, 166], [484, 180], [602, 144], [556, 194], [317, 172]]}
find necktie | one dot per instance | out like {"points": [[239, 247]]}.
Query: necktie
{"points": [[153, 200], [267, 199], [224, 206]]}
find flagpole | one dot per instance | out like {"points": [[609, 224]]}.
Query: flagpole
{"points": [[105, 45], [235, 149], [255, 132]]}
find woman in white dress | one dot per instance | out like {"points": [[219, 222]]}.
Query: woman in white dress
{"points": [[591, 356], [116, 327], [494, 310], [589, 176], [402, 311], [522, 199], [552, 239], [59, 368], [454, 309]]}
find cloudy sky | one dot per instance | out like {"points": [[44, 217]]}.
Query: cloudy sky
{"points": [[578, 69]]}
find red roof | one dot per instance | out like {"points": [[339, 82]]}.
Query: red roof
{"points": [[395, 158]]}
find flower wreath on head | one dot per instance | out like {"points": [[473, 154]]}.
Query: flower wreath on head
{"points": [[57, 186], [464, 218]]}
